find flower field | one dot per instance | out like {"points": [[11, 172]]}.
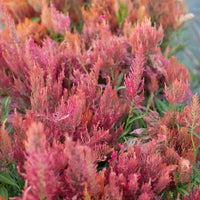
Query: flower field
{"points": [[94, 103]]}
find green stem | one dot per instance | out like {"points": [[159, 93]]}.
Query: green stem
{"points": [[129, 115], [150, 102], [174, 109], [194, 149], [192, 138]]}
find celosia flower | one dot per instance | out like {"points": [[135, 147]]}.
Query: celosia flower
{"points": [[175, 70], [147, 36], [112, 190], [80, 170], [178, 93], [185, 170], [34, 30], [113, 156], [133, 83], [192, 116], [19, 9], [60, 22], [137, 171], [144, 196], [52, 18], [110, 108], [39, 164], [168, 12]]}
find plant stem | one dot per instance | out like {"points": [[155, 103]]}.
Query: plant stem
{"points": [[129, 115]]}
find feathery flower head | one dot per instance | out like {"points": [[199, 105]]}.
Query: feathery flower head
{"points": [[133, 83], [178, 93]]}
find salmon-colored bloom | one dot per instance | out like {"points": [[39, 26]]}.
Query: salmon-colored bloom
{"points": [[178, 93]]}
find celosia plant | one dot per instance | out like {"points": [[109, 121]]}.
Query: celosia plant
{"points": [[133, 83], [81, 92]]}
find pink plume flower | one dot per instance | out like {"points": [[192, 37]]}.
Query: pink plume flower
{"points": [[133, 83], [60, 22]]}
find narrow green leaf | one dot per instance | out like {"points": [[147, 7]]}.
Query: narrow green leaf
{"points": [[195, 169], [182, 191], [163, 105], [136, 112], [178, 126], [125, 132], [119, 80], [5, 108], [35, 19], [5, 178], [23, 106], [159, 108], [121, 14], [120, 88], [171, 194], [142, 123], [180, 47], [134, 118]]}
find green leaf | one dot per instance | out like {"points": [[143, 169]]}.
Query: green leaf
{"points": [[125, 132], [178, 126], [134, 118], [6, 179], [182, 191], [120, 79], [180, 47], [159, 108], [121, 14], [171, 194], [164, 105], [120, 88], [23, 106], [56, 36], [4, 93], [78, 27], [5, 109], [3, 192], [35, 19], [142, 123], [195, 169]]}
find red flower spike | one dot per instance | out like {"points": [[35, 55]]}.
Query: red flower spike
{"points": [[133, 83], [39, 167]]}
